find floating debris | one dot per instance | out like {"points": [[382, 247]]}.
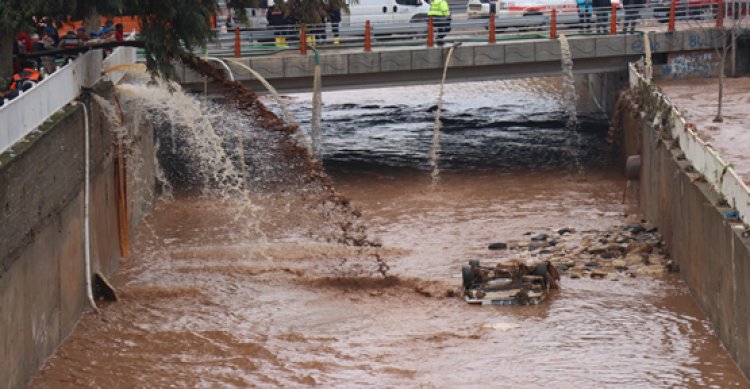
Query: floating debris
{"points": [[632, 250]]}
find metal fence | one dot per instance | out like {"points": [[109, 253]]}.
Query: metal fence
{"points": [[706, 161], [421, 31], [20, 116]]}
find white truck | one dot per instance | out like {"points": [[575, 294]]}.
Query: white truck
{"points": [[517, 8]]}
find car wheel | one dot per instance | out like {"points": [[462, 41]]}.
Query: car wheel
{"points": [[468, 276], [542, 271]]}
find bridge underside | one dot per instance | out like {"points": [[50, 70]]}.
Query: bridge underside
{"points": [[428, 76]]}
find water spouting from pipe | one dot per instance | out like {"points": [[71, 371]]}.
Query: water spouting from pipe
{"points": [[279, 100], [570, 96], [648, 71], [435, 152], [570, 99], [315, 133]]}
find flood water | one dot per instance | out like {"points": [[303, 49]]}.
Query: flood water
{"points": [[202, 307]]}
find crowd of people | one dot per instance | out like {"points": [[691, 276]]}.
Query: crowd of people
{"points": [[28, 72], [281, 19], [602, 10]]}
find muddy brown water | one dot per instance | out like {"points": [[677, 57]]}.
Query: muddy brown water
{"points": [[204, 312], [202, 306]]}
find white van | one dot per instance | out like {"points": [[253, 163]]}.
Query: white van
{"points": [[385, 11], [376, 11]]}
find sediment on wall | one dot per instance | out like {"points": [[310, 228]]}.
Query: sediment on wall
{"points": [[42, 292], [712, 250]]}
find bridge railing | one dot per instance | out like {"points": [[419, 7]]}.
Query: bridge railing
{"points": [[707, 162], [505, 24], [23, 114]]}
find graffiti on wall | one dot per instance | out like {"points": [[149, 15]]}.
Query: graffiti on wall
{"points": [[689, 65]]}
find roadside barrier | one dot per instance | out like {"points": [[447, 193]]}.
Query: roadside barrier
{"points": [[668, 15]]}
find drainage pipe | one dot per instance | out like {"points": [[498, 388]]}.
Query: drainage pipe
{"points": [[287, 116], [224, 64], [86, 201]]}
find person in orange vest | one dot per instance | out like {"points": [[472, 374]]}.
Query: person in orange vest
{"points": [[25, 79]]}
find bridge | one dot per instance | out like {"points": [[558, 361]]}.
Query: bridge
{"points": [[494, 48], [349, 68]]}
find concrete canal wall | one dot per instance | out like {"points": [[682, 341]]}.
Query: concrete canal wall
{"points": [[689, 209], [42, 274]]}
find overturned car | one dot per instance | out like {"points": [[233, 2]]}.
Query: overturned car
{"points": [[508, 283]]}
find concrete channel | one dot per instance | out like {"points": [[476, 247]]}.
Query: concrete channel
{"points": [[41, 253]]}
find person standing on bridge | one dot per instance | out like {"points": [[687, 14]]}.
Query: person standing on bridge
{"points": [[277, 22], [602, 8], [441, 19], [584, 14], [632, 14], [334, 14]]}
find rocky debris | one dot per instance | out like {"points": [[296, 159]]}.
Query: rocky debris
{"points": [[633, 250]]}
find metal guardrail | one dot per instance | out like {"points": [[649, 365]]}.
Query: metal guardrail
{"points": [[718, 173], [546, 23], [20, 116]]}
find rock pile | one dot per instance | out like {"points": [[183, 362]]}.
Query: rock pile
{"points": [[624, 251]]}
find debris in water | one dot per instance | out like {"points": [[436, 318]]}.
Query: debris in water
{"points": [[501, 326], [631, 250], [497, 246], [509, 283]]}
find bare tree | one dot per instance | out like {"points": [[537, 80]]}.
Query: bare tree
{"points": [[732, 14]]}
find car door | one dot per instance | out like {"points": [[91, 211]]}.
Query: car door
{"points": [[403, 10], [376, 11]]}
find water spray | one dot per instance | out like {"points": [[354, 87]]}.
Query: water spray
{"points": [[315, 135], [570, 98], [649, 70], [284, 109], [435, 152]]}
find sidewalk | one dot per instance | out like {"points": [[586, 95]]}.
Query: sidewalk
{"points": [[697, 99]]}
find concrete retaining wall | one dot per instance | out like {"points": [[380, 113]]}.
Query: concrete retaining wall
{"points": [[42, 292], [713, 256]]}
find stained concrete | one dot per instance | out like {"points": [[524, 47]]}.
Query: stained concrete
{"points": [[489, 55], [714, 257], [42, 292]]}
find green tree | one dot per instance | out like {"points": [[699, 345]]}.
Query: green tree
{"points": [[168, 28], [17, 16]]}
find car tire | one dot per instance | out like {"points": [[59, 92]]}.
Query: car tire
{"points": [[468, 276], [542, 271], [474, 263]]}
